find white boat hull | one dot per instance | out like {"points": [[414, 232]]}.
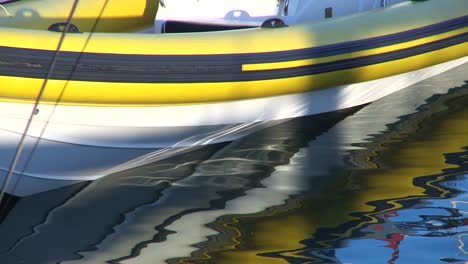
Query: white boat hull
{"points": [[79, 143]]}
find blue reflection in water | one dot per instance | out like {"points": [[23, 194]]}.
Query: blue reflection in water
{"points": [[434, 231]]}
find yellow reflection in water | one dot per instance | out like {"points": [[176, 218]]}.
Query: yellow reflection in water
{"points": [[415, 149]]}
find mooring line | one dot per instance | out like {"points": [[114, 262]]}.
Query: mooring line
{"points": [[20, 147], [59, 98]]}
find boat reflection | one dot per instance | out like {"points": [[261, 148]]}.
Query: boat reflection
{"points": [[118, 213], [398, 186], [312, 190]]}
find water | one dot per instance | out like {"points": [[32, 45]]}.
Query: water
{"points": [[386, 183]]}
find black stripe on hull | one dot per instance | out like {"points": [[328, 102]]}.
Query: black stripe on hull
{"points": [[358, 62], [215, 68]]}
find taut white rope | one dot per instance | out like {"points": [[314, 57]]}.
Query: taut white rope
{"points": [[20, 147]]}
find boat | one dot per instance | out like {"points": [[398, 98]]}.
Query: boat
{"points": [[90, 88], [188, 207]]}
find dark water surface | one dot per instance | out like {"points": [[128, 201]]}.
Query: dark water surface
{"points": [[386, 183]]}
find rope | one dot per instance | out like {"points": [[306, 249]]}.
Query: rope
{"points": [[20, 147], [6, 11]]}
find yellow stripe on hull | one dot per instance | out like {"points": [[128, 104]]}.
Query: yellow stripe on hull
{"points": [[399, 18], [151, 94], [308, 62]]}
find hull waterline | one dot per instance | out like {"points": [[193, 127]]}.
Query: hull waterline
{"points": [[107, 142]]}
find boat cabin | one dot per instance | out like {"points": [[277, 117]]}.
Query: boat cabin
{"points": [[209, 15]]}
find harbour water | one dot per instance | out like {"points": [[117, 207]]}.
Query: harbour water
{"points": [[383, 183]]}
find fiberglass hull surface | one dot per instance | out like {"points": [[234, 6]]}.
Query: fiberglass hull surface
{"points": [[55, 150]]}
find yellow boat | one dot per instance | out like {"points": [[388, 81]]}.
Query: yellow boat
{"points": [[330, 188], [87, 90]]}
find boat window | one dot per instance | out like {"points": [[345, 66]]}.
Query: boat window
{"points": [[185, 27]]}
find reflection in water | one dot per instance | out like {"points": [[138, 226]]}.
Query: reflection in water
{"points": [[395, 172], [387, 182], [126, 212]]}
